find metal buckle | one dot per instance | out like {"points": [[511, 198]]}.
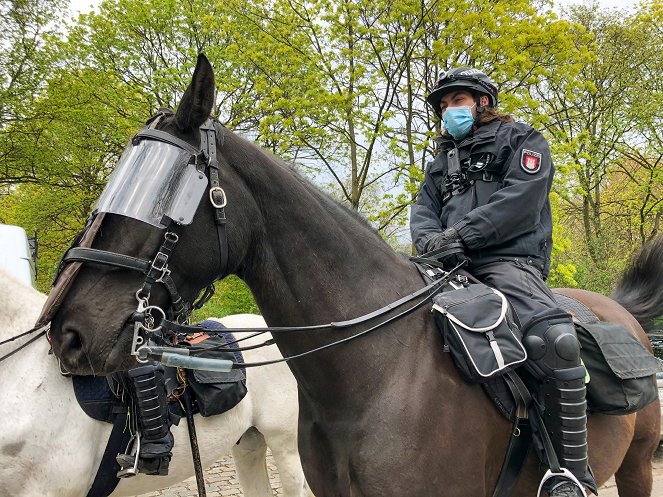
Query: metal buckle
{"points": [[223, 202], [160, 261]]}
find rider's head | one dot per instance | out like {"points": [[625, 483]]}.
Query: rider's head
{"points": [[457, 85]]}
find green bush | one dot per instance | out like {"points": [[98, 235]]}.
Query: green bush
{"points": [[231, 296]]}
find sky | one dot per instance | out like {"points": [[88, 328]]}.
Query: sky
{"points": [[86, 5]]}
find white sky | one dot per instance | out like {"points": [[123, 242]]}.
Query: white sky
{"points": [[83, 6]]}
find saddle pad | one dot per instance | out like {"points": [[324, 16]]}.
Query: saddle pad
{"points": [[580, 312], [95, 397]]}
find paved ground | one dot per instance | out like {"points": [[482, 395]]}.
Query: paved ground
{"points": [[221, 481]]}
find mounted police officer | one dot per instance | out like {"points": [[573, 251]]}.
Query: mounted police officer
{"points": [[484, 199]]}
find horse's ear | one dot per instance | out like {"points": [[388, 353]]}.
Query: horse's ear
{"points": [[198, 99]]}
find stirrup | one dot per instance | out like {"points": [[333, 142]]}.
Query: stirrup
{"points": [[129, 460], [564, 473]]}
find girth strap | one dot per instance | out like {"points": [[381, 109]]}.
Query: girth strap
{"points": [[521, 437], [106, 478]]}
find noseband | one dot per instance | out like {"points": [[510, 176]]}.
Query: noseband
{"points": [[157, 270]]}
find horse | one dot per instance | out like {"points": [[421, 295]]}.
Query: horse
{"points": [[49, 447], [384, 414]]}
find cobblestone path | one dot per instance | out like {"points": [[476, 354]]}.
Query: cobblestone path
{"points": [[220, 481]]}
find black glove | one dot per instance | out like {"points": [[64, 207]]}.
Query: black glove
{"points": [[447, 247]]}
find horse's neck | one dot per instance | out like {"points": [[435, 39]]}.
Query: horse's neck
{"points": [[315, 262]]}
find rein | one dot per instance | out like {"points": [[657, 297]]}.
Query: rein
{"points": [[33, 339], [175, 328]]}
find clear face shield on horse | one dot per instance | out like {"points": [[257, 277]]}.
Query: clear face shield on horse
{"points": [[155, 182], [159, 180]]}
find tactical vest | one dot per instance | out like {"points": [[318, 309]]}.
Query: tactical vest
{"points": [[461, 175]]}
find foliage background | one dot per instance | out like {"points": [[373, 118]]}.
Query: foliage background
{"points": [[338, 88]]}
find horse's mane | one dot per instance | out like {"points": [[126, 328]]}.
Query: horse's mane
{"points": [[359, 224], [20, 307]]}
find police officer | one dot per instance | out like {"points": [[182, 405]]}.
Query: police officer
{"points": [[484, 199]]}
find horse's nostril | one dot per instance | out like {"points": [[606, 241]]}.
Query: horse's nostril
{"points": [[71, 343]]}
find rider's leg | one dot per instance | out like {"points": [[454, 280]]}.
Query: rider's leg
{"points": [[528, 293], [554, 358], [147, 383]]}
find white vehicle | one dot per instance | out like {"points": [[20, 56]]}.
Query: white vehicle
{"points": [[16, 254]]}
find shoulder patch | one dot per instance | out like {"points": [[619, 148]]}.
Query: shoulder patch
{"points": [[530, 161]]}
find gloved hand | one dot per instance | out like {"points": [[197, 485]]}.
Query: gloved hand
{"points": [[447, 247]]}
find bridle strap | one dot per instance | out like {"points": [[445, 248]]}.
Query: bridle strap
{"points": [[208, 143], [154, 271], [85, 254]]}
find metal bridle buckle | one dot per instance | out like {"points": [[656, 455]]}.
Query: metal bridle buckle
{"points": [[217, 204]]}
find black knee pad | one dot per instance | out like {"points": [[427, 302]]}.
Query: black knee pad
{"points": [[552, 347]]}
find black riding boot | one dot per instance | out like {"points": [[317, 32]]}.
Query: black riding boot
{"points": [[147, 383], [554, 358]]}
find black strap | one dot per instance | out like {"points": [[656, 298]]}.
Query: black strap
{"points": [[33, 339], [521, 437], [217, 194], [193, 441], [106, 478], [432, 289], [515, 458], [85, 254]]}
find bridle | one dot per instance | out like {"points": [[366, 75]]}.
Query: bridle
{"points": [[156, 270]]}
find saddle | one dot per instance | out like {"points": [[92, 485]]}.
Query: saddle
{"points": [[485, 345], [484, 342]]}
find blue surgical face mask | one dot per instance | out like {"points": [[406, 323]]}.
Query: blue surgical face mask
{"points": [[458, 121]]}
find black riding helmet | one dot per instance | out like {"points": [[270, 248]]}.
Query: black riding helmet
{"points": [[462, 78]]}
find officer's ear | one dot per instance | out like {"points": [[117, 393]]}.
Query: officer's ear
{"points": [[483, 101]]}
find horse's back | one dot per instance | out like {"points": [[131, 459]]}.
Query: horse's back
{"points": [[272, 388], [606, 309]]}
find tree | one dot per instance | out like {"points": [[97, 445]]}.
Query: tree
{"points": [[603, 132]]}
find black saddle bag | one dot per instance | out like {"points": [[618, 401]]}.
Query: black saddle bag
{"points": [[480, 332], [215, 392], [621, 369]]}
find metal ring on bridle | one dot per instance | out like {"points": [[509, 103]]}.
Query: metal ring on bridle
{"points": [[148, 310]]}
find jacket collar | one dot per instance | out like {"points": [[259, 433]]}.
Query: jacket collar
{"points": [[484, 133]]}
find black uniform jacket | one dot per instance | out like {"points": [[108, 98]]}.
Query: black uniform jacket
{"points": [[503, 215]]}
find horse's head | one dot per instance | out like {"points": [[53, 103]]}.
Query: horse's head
{"points": [[158, 238]]}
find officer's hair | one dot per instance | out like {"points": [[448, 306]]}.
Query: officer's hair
{"points": [[489, 114]]}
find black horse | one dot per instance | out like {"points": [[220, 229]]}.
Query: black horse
{"points": [[383, 415]]}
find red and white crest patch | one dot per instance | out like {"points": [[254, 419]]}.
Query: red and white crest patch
{"points": [[530, 161]]}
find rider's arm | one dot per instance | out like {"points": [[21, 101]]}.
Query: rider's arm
{"points": [[425, 213]]}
